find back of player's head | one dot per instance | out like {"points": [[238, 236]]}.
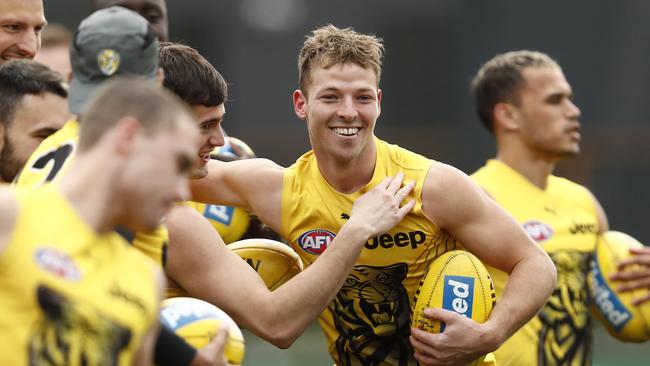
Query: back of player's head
{"points": [[25, 77], [154, 107], [500, 79], [109, 42], [328, 46], [190, 76]]}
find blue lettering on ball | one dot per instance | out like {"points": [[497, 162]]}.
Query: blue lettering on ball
{"points": [[606, 300], [222, 214], [458, 296]]}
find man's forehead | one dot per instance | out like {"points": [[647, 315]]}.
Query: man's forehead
{"points": [[37, 111], [544, 78], [338, 74], [23, 10]]}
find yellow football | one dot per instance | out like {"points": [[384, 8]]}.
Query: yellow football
{"points": [[274, 261], [455, 281], [615, 310], [198, 321]]}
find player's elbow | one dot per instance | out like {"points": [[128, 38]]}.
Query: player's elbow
{"points": [[280, 336], [548, 272]]}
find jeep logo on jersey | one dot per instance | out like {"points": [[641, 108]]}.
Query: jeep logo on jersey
{"points": [[315, 241], [57, 263], [538, 230], [400, 239]]}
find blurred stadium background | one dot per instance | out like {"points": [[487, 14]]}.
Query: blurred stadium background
{"points": [[433, 49]]}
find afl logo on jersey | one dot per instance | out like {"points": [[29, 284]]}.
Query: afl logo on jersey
{"points": [[538, 230], [57, 263], [108, 61], [315, 241]]}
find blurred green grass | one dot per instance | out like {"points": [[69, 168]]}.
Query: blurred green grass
{"points": [[310, 349]]}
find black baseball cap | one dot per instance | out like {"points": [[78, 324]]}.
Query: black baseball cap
{"points": [[111, 41]]}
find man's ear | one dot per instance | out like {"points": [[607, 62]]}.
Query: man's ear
{"points": [[2, 135], [378, 102], [160, 76], [300, 104], [127, 130], [505, 116]]}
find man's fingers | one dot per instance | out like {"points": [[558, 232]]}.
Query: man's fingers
{"points": [[630, 275], [404, 191], [440, 314], [642, 299], [404, 210], [384, 183], [420, 345], [636, 284], [219, 342], [395, 185]]}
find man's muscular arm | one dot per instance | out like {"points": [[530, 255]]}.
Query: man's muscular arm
{"points": [[204, 267], [455, 204]]}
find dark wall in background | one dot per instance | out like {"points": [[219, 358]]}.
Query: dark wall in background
{"points": [[433, 49]]}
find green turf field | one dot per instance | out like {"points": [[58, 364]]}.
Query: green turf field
{"points": [[310, 350]]}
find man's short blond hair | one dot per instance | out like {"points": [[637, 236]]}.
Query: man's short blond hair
{"points": [[500, 79], [328, 46]]}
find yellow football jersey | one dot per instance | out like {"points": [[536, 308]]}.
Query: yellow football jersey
{"points": [[69, 296], [51, 160], [368, 321], [562, 219], [230, 222]]}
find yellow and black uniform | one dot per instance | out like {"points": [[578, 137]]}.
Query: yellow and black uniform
{"points": [[52, 158], [368, 321], [68, 295], [562, 219]]}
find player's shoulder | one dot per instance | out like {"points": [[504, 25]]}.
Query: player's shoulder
{"points": [[445, 177], [404, 158], [568, 188]]}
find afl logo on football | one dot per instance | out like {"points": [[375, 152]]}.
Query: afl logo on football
{"points": [[108, 61], [537, 230], [315, 241], [57, 263]]}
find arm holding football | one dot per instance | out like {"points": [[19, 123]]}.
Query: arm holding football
{"points": [[455, 204], [205, 268]]}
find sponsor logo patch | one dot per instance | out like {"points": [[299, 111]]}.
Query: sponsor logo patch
{"points": [[400, 239], [458, 296], [57, 263], [538, 230], [108, 61], [316, 241]]}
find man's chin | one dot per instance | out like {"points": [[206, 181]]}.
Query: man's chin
{"points": [[199, 173]]}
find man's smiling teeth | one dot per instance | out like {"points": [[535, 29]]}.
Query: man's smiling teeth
{"points": [[346, 131]]}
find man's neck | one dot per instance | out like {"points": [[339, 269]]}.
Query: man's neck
{"points": [[92, 192], [534, 169], [348, 176]]}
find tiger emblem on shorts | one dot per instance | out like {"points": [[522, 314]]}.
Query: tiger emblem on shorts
{"points": [[565, 337], [371, 313], [74, 334]]}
